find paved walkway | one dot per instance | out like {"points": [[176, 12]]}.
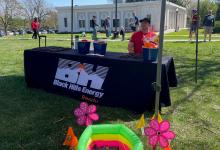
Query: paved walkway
{"points": [[116, 40]]}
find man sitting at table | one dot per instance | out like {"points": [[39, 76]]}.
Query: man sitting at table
{"points": [[136, 42]]}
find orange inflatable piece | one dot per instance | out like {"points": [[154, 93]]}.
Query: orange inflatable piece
{"points": [[71, 139], [168, 148]]}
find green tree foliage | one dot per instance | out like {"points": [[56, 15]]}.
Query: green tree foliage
{"points": [[218, 13], [18, 23], [184, 3], [205, 6], [8, 10]]}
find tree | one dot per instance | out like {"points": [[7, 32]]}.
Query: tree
{"points": [[51, 20], [17, 23], [8, 9], [218, 13], [205, 6], [41, 9], [35, 8], [28, 9], [184, 3]]}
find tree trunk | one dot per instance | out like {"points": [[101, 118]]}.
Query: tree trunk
{"points": [[5, 30]]}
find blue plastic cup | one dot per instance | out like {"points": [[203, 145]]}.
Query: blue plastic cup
{"points": [[100, 48], [150, 54], [83, 47]]}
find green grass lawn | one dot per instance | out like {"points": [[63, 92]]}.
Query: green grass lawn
{"points": [[32, 119]]}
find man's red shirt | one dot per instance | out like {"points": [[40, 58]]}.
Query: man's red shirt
{"points": [[137, 39], [35, 25]]}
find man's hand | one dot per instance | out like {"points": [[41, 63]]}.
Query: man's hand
{"points": [[131, 48]]}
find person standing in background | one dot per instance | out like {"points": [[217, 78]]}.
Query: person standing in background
{"points": [[209, 24], [122, 33], [94, 25], [136, 22], [193, 27], [35, 25], [132, 24], [107, 27]]}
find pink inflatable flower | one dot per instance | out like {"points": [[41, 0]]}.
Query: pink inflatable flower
{"points": [[159, 132], [86, 114]]}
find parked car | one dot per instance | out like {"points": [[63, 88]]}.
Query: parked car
{"points": [[29, 32], [15, 32], [2, 33], [10, 33], [51, 31], [43, 32], [21, 32]]}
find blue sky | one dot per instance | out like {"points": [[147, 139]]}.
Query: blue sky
{"points": [[76, 2]]}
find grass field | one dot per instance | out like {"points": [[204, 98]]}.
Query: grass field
{"points": [[29, 118]]}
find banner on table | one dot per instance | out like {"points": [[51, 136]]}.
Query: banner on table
{"points": [[81, 77]]}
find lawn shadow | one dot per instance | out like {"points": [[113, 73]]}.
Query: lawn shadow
{"points": [[186, 75], [14, 87]]}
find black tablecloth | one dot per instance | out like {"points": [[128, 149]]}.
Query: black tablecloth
{"points": [[112, 80]]}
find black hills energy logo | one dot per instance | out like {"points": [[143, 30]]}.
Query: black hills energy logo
{"points": [[81, 77]]}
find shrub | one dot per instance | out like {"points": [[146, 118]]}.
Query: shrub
{"points": [[217, 27]]}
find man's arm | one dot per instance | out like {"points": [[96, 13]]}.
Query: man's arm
{"points": [[131, 47], [95, 22]]}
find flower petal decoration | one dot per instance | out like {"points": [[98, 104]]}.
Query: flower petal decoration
{"points": [[159, 133], [86, 114], [94, 116], [153, 140], [81, 120], [92, 109], [150, 131], [78, 112], [163, 141], [169, 135], [84, 106], [155, 124], [88, 121], [164, 126]]}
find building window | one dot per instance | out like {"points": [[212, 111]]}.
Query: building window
{"points": [[90, 23], [116, 22], [65, 22], [82, 23]]}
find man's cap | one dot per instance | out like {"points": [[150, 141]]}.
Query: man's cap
{"points": [[194, 10], [145, 20]]}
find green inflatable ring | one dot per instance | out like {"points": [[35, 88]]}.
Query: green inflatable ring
{"points": [[110, 135]]}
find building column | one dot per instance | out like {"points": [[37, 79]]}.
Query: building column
{"points": [[98, 21], [87, 20], [121, 19], [75, 22], [181, 20], [167, 18]]}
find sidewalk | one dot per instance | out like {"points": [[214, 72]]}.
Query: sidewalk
{"points": [[114, 40]]}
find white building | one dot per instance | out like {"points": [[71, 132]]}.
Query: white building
{"points": [[151, 9]]}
